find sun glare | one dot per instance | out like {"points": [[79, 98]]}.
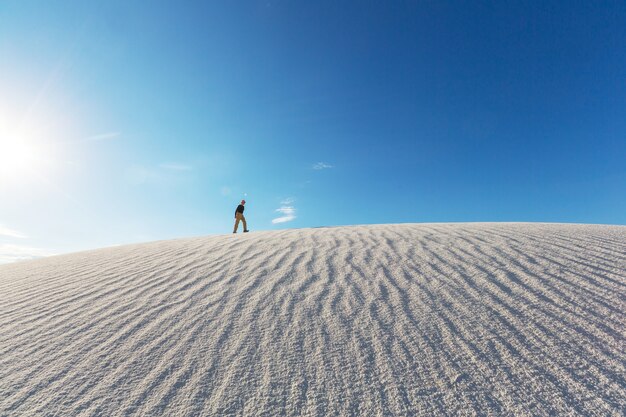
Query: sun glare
{"points": [[17, 159]]}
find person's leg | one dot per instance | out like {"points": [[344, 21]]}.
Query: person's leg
{"points": [[236, 224], [245, 225]]}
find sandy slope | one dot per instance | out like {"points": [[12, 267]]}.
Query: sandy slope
{"points": [[457, 319]]}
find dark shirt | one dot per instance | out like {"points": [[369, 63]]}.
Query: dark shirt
{"points": [[240, 208]]}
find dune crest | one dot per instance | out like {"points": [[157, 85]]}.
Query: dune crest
{"points": [[407, 320]]}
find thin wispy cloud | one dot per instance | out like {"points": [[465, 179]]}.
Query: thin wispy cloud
{"points": [[174, 166], [13, 253], [103, 136], [138, 175], [6, 232], [288, 214], [162, 173], [321, 165]]}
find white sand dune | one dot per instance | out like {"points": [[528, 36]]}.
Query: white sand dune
{"points": [[406, 320]]}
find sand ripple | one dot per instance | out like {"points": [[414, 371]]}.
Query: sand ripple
{"points": [[406, 320]]}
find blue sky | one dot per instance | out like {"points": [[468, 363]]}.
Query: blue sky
{"points": [[134, 121]]}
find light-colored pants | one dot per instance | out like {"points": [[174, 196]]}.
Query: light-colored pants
{"points": [[240, 217]]}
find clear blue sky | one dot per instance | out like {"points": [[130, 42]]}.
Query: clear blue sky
{"points": [[127, 121]]}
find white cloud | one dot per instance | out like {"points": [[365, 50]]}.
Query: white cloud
{"points": [[321, 165], [288, 214], [174, 166], [103, 136], [138, 175], [287, 201], [5, 231], [13, 253]]}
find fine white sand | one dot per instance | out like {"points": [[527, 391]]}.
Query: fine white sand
{"points": [[407, 320]]}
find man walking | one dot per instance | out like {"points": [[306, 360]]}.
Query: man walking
{"points": [[239, 217]]}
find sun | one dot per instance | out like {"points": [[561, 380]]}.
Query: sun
{"points": [[17, 159]]}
